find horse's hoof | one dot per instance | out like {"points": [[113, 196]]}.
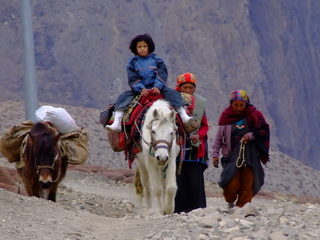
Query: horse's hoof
{"points": [[191, 125]]}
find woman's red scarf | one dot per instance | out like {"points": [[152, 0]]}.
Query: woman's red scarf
{"points": [[229, 116], [257, 125]]}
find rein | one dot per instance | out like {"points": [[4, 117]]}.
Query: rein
{"points": [[154, 144], [167, 146]]}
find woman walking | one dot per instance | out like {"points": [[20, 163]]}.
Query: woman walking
{"points": [[191, 191], [243, 139]]}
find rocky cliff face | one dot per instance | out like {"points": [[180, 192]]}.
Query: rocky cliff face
{"points": [[269, 48]]}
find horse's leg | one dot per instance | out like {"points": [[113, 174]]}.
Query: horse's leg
{"points": [[170, 187], [156, 187], [144, 176], [139, 187]]}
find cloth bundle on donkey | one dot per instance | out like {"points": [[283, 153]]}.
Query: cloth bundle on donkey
{"points": [[73, 145]]}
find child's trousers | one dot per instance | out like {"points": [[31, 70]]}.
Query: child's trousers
{"points": [[172, 96]]}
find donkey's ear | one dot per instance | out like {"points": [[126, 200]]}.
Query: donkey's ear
{"points": [[31, 137], [156, 114], [56, 138]]}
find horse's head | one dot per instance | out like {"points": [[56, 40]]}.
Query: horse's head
{"points": [[163, 134], [44, 151]]}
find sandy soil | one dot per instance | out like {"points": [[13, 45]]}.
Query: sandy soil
{"points": [[91, 204]]}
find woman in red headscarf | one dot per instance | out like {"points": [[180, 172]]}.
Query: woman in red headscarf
{"points": [[191, 192], [243, 141]]}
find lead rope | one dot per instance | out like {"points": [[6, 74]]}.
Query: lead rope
{"points": [[241, 155], [181, 159], [56, 158], [164, 171], [58, 172], [135, 123]]}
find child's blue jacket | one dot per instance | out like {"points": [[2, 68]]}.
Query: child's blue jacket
{"points": [[146, 72]]}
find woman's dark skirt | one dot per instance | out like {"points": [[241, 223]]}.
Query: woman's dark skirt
{"points": [[191, 191]]}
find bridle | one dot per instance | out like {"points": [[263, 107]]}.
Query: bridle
{"points": [[153, 144], [57, 155], [39, 167]]}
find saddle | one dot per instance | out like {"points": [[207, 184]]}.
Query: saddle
{"points": [[129, 140], [138, 121], [120, 141]]}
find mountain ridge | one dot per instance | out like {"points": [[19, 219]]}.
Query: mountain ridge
{"points": [[268, 49]]}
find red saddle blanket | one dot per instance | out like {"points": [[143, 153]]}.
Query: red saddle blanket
{"points": [[137, 121], [136, 106]]}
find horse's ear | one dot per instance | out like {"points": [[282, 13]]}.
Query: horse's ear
{"points": [[156, 114], [172, 116]]}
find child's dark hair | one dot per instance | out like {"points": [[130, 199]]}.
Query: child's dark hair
{"points": [[146, 38]]}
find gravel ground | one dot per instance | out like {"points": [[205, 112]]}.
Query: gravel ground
{"points": [[93, 206]]}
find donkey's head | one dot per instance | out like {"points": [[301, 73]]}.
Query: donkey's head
{"points": [[44, 152]]}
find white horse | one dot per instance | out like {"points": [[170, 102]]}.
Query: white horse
{"points": [[156, 163]]}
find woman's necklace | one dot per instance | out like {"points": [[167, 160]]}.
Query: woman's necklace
{"points": [[239, 124]]}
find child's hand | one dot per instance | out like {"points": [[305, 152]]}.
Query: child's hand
{"points": [[144, 92], [155, 90]]}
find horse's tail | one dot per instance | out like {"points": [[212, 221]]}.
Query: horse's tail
{"points": [[137, 182]]}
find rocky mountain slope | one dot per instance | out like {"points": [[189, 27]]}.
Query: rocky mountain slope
{"points": [[268, 48]]}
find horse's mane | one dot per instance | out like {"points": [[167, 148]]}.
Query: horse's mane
{"points": [[161, 105], [163, 109]]}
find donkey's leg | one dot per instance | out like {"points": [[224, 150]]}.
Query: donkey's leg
{"points": [[51, 193], [170, 187], [33, 186], [25, 183], [36, 190], [27, 188], [44, 193]]}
